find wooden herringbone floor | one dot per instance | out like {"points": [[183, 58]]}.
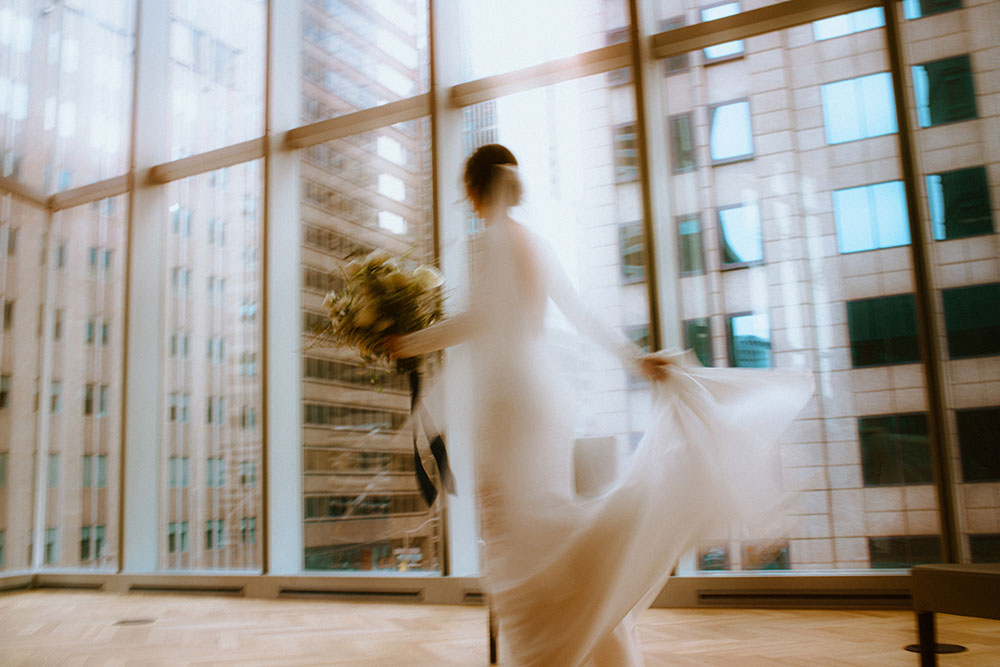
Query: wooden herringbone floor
{"points": [[50, 627]]}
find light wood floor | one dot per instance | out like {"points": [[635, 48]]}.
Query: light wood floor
{"points": [[56, 627]]}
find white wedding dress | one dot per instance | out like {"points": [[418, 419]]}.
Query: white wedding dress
{"points": [[569, 574]]}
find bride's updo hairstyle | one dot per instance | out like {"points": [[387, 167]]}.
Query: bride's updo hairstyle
{"points": [[490, 177]]}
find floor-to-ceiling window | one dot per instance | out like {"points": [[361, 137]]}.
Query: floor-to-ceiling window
{"points": [[755, 198]]}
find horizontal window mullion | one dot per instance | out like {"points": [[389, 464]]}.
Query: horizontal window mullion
{"points": [[748, 24]]}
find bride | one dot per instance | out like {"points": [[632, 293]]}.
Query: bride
{"points": [[570, 574]]}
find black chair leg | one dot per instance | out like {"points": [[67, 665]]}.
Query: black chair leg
{"points": [[928, 642]]}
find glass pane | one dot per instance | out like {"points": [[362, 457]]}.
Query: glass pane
{"points": [[576, 200], [785, 283], [65, 91], [944, 91], [729, 49], [363, 508], [20, 356], [212, 388], [216, 74], [360, 55], [502, 37], [959, 173]]}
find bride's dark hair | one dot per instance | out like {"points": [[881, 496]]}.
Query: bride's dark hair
{"points": [[486, 177]]}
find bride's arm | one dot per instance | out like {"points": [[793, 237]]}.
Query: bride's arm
{"points": [[446, 333], [583, 318]]}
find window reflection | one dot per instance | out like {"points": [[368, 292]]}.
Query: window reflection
{"points": [[858, 108]]}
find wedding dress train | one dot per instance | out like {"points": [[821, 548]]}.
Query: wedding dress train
{"points": [[569, 574]]}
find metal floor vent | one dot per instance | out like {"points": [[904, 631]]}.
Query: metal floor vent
{"points": [[186, 590], [72, 585], [803, 598], [407, 595]]}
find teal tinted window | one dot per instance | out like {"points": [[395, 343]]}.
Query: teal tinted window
{"points": [[692, 257], [914, 9], [978, 445], [904, 551], [944, 91], [895, 450], [626, 155], [871, 217], [741, 236], [972, 319], [630, 245], [959, 203], [858, 108], [845, 24], [985, 548], [681, 143], [731, 134], [729, 49], [749, 341], [698, 337], [883, 330]]}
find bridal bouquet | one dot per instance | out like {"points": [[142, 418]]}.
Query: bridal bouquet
{"points": [[379, 299]]}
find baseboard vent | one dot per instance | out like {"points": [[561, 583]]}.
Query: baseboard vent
{"points": [[72, 585], [186, 590], [411, 595], [800, 599], [474, 597], [13, 588]]}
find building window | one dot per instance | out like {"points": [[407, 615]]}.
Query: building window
{"points": [[682, 143], [248, 418], [871, 217], [180, 219], [216, 231], [248, 473], [55, 399], [215, 471], [846, 24], [4, 391], [98, 534], [766, 556], [3, 470], [858, 108], [749, 340], [626, 156], [61, 256], [692, 259], [915, 9], [3, 543], [730, 134], [216, 410], [984, 548], [631, 249], [12, 241], [51, 545], [213, 534], [177, 537], [179, 469], [959, 203], [88, 399], [903, 551], [895, 449], [698, 337], [248, 530], [883, 331], [677, 63], [729, 49], [53, 471], [623, 75], [977, 444], [742, 243], [972, 320], [8, 315], [944, 91]]}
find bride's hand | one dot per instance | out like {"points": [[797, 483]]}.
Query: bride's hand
{"points": [[655, 367]]}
